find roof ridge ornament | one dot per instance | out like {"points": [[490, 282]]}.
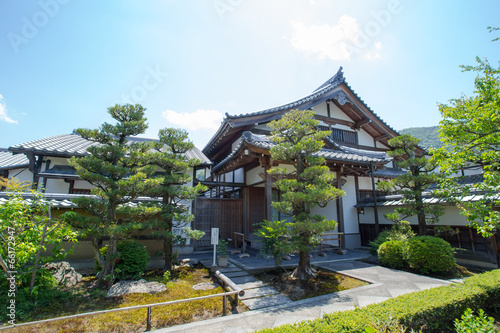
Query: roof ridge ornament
{"points": [[338, 77]]}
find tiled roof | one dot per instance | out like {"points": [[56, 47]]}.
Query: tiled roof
{"points": [[329, 85], [326, 91], [388, 173], [11, 161], [344, 153], [397, 200], [64, 200], [67, 145]]}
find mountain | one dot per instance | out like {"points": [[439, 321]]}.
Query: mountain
{"points": [[428, 135]]}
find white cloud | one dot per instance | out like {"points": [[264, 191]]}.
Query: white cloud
{"points": [[200, 119], [3, 112], [325, 40], [374, 54]]}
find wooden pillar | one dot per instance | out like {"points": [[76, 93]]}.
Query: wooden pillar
{"points": [[375, 208], [269, 196], [246, 211], [340, 210]]}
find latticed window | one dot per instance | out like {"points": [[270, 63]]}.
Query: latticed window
{"points": [[341, 135]]}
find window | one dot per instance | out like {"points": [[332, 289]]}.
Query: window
{"points": [[341, 135]]}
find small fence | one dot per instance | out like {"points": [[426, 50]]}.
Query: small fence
{"points": [[237, 291]]}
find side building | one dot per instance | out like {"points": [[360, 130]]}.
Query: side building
{"points": [[45, 163]]}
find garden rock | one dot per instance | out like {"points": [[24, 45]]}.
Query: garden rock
{"points": [[205, 286], [64, 273], [141, 287]]}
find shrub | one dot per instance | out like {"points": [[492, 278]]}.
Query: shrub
{"points": [[428, 254], [431, 310], [471, 323], [400, 230], [133, 260], [391, 254]]}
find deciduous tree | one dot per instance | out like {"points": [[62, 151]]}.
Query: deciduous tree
{"points": [[470, 131]]}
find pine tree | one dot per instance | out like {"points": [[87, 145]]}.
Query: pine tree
{"points": [[298, 142], [174, 189], [418, 178], [115, 168]]}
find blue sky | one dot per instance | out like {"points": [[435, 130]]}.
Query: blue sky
{"points": [[64, 62]]}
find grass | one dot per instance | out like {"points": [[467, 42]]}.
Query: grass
{"points": [[325, 282], [82, 298]]}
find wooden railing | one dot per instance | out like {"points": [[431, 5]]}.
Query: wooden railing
{"points": [[237, 291], [325, 237]]}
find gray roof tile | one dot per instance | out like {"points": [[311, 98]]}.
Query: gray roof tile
{"points": [[9, 160], [67, 145], [347, 154]]}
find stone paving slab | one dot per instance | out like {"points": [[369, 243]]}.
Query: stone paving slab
{"points": [[258, 292], [244, 279], [250, 285], [385, 284], [236, 274], [267, 301]]}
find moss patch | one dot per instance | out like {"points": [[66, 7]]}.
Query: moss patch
{"points": [[325, 282]]}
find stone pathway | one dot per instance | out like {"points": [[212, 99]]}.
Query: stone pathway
{"points": [[385, 283], [258, 295]]}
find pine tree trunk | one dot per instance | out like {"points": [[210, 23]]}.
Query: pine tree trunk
{"points": [[304, 271], [167, 249]]}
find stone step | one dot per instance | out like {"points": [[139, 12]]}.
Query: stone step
{"points": [[266, 301], [259, 292]]}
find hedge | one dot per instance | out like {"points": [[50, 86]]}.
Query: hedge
{"points": [[432, 309]]}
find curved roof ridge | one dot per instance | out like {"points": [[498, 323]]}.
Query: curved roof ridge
{"points": [[332, 83]]}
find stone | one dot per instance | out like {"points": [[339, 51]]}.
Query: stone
{"points": [[205, 286], [141, 287], [64, 273]]}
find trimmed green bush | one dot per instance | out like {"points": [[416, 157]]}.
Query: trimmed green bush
{"points": [[428, 254], [133, 260], [433, 310], [391, 254], [400, 230]]}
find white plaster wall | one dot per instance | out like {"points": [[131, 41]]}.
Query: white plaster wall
{"points": [[56, 186], [23, 175], [379, 145], [452, 216], [365, 183], [253, 175], [335, 112], [365, 139], [321, 109]]}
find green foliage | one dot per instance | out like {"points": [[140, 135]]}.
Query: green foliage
{"points": [[116, 169], [26, 230], [428, 254], [469, 130], [222, 250], [309, 184], [419, 177], [275, 237], [429, 136], [432, 310], [399, 231], [167, 276], [391, 254], [132, 261], [172, 185], [478, 324]]}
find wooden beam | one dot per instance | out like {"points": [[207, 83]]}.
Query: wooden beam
{"points": [[360, 123], [334, 121]]}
